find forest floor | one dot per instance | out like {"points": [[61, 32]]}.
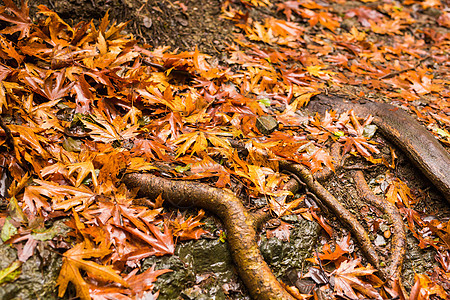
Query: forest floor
{"points": [[385, 51]]}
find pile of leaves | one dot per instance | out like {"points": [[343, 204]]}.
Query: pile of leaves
{"points": [[81, 105]]}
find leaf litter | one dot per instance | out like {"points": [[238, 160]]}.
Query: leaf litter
{"points": [[180, 108]]}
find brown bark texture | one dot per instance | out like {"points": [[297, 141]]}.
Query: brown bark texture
{"points": [[422, 148], [239, 225]]}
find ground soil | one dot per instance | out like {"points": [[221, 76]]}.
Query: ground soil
{"points": [[154, 22]]}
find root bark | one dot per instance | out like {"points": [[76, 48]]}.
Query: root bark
{"points": [[239, 224], [422, 148]]}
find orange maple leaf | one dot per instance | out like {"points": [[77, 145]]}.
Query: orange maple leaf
{"points": [[20, 18], [76, 259], [188, 229]]}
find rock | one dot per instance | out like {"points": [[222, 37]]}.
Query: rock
{"points": [[266, 124]]}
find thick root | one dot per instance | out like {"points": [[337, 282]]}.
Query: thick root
{"points": [[419, 144], [239, 224]]}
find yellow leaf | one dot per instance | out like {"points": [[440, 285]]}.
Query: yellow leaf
{"points": [[83, 169], [200, 144]]}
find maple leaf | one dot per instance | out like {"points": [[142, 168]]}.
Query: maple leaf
{"points": [[199, 142], [284, 29], [398, 193], [424, 288], [188, 229], [144, 281], [52, 87], [335, 256], [153, 149], [282, 232], [196, 138], [320, 158], [30, 137], [384, 26], [288, 7], [281, 208], [102, 130], [20, 18], [62, 197], [364, 14], [324, 18], [60, 33], [83, 169], [9, 51], [75, 260], [361, 145], [161, 242], [318, 71], [357, 141], [122, 211], [349, 277], [207, 167]]}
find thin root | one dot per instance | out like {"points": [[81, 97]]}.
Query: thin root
{"points": [[398, 249]]}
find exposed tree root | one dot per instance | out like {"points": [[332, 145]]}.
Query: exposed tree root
{"points": [[417, 142], [338, 209], [398, 248], [239, 224]]}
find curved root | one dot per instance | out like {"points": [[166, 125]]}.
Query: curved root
{"points": [[241, 234], [337, 208], [398, 249], [423, 149]]}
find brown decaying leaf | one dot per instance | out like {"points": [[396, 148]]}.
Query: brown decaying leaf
{"points": [[19, 17], [282, 232], [349, 278]]}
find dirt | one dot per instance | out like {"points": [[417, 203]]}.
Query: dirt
{"points": [[157, 23], [187, 24]]}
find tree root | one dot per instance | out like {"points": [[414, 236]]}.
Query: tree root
{"points": [[338, 209], [398, 249], [422, 148], [239, 224]]}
